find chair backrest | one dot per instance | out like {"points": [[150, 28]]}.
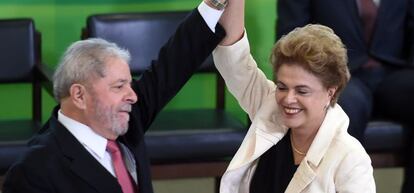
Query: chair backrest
{"points": [[18, 50], [143, 34], [19, 54]]}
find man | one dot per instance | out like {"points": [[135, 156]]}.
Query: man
{"points": [[93, 141], [379, 36]]}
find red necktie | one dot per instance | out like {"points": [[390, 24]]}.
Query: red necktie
{"points": [[121, 172], [368, 12]]}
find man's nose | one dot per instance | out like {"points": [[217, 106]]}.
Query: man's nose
{"points": [[131, 96]]}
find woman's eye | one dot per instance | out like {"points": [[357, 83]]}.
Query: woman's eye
{"points": [[281, 88], [302, 92]]}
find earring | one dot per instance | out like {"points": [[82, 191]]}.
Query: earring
{"points": [[327, 106]]}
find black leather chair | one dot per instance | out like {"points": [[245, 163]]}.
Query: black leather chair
{"points": [[387, 143], [20, 56], [182, 143]]}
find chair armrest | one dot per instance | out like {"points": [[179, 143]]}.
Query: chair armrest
{"points": [[45, 76]]}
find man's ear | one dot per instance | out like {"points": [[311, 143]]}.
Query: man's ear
{"points": [[78, 95]]}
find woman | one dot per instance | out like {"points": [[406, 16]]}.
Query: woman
{"points": [[298, 140]]}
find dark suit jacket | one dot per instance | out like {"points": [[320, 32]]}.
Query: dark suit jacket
{"points": [[57, 162], [393, 39]]}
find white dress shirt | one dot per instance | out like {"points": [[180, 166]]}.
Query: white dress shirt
{"points": [[93, 142], [96, 145], [211, 16]]}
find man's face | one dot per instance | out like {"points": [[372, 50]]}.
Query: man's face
{"points": [[110, 99]]}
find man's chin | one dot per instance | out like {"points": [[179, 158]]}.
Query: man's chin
{"points": [[123, 131], [120, 130]]}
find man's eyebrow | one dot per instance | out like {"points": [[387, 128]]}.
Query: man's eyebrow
{"points": [[121, 81]]}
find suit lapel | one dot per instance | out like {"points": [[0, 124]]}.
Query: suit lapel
{"points": [[381, 10], [353, 7], [354, 13], [82, 163]]}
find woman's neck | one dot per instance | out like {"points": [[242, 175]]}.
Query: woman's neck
{"points": [[301, 140]]}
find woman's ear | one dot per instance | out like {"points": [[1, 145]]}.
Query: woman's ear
{"points": [[77, 95], [331, 92]]}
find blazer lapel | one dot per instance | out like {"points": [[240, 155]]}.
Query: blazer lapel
{"points": [[265, 131], [303, 176], [335, 121], [84, 165]]}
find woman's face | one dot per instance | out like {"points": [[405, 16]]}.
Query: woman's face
{"points": [[301, 97]]}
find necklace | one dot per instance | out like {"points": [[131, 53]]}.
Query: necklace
{"points": [[294, 148]]}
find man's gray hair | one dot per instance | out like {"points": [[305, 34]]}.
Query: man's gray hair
{"points": [[83, 60]]}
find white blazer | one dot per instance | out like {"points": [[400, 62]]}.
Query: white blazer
{"points": [[335, 162]]}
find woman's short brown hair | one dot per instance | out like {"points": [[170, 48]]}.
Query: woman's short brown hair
{"points": [[319, 51]]}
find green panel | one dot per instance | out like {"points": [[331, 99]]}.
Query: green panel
{"points": [[260, 22], [60, 23], [25, 2], [15, 101], [48, 102], [200, 90], [95, 2]]}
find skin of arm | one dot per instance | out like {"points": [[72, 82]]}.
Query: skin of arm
{"points": [[250, 87], [232, 21]]}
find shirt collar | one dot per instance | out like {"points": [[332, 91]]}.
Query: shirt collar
{"points": [[84, 134]]}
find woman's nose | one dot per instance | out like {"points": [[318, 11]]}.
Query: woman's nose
{"points": [[290, 97]]}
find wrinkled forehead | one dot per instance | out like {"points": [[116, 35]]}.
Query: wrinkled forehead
{"points": [[116, 68], [112, 69]]}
